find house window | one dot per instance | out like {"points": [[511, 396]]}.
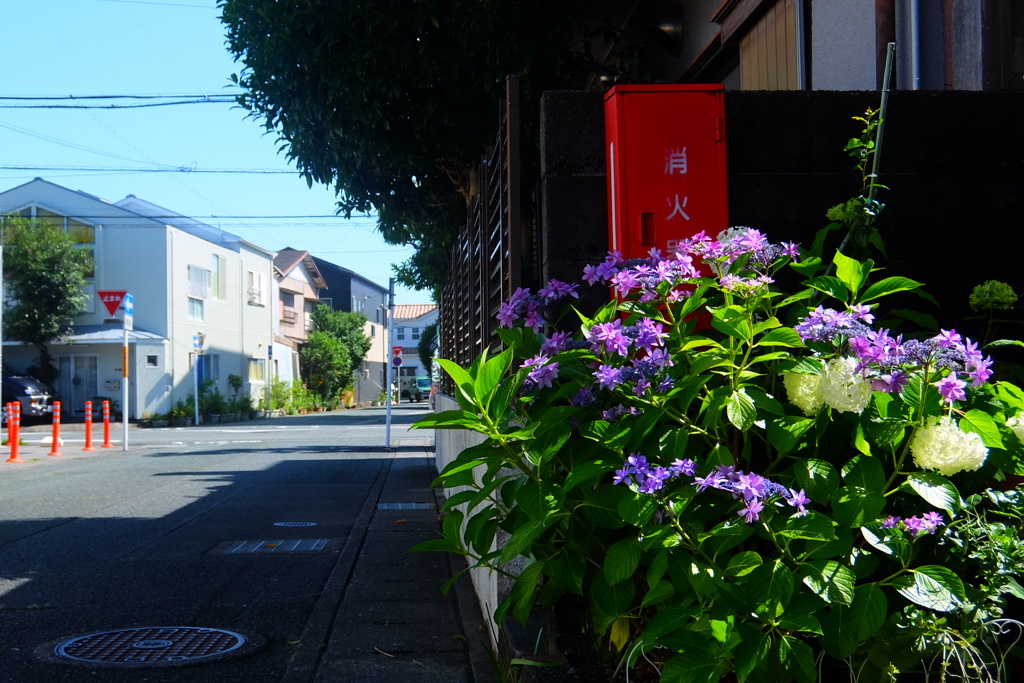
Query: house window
{"points": [[288, 314], [152, 361], [256, 288], [218, 277], [211, 366], [415, 333], [373, 330], [195, 309], [198, 282], [257, 370], [400, 333]]}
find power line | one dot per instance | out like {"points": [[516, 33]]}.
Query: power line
{"points": [[175, 169], [114, 106], [59, 98]]}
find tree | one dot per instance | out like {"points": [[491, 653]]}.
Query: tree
{"points": [[346, 328], [44, 286], [392, 102], [327, 364], [426, 347]]}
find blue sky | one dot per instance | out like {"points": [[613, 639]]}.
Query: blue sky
{"points": [[58, 48]]}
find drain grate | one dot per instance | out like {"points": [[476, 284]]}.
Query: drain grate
{"points": [[151, 646], [294, 524], [404, 506], [286, 545]]}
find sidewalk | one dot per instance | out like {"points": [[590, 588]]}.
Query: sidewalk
{"points": [[388, 620]]}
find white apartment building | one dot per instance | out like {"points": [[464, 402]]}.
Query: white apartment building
{"points": [[187, 278]]}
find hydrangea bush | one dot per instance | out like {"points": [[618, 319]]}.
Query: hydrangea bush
{"points": [[745, 483]]}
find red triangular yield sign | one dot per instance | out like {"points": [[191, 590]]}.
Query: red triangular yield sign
{"points": [[111, 299]]}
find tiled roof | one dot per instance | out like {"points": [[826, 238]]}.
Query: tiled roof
{"points": [[411, 311]]}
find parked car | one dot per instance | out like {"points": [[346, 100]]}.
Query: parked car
{"points": [[35, 398]]}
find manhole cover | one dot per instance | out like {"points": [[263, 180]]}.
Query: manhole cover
{"points": [[151, 646], [294, 524]]}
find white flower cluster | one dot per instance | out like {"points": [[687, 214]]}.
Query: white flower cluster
{"points": [[942, 447], [840, 386], [1016, 423], [804, 392], [843, 388]]}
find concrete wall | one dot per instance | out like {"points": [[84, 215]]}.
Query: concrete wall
{"points": [[448, 443]]}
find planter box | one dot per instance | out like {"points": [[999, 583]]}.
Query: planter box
{"points": [[179, 422], [160, 423]]}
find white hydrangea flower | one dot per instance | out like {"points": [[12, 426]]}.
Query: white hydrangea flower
{"points": [[843, 388], [804, 392], [943, 447], [1016, 423]]}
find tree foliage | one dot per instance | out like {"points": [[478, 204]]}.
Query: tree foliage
{"points": [[426, 348], [327, 363], [346, 328], [44, 281], [391, 102]]}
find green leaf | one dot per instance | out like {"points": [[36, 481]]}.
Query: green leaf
{"points": [[894, 545], [695, 663], [614, 600], [932, 586], [659, 593], [817, 477], [812, 527], [524, 591], [782, 336], [889, 285], [733, 321], [489, 375], [844, 628], [521, 541], [935, 489], [448, 419], [830, 581], [832, 286], [743, 563], [751, 652], [853, 273], [785, 433], [981, 423], [798, 658], [621, 561], [771, 583], [741, 410]]}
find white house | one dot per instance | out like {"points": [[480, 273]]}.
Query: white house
{"points": [[410, 321], [187, 279]]}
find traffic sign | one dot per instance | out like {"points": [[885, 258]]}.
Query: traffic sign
{"points": [[396, 350], [111, 299], [396, 361]]}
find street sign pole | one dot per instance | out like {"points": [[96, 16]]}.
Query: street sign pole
{"points": [[128, 302], [391, 334], [197, 347]]}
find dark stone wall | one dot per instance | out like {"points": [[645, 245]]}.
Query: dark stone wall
{"points": [[953, 163]]}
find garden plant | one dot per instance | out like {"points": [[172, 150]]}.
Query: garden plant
{"points": [[747, 481]]}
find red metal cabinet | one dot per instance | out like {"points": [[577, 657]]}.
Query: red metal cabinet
{"points": [[666, 165]]}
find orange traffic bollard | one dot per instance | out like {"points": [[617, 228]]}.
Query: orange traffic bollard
{"points": [[106, 426], [88, 427], [55, 448], [14, 430]]}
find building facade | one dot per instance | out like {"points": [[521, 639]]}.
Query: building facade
{"points": [[187, 279], [350, 292]]}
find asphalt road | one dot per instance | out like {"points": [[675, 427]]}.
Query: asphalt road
{"points": [[116, 540]]}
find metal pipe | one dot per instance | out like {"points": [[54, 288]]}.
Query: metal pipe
{"points": [[915, 45]]}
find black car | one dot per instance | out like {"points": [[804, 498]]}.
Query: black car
{"points": [[34, 396]]}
